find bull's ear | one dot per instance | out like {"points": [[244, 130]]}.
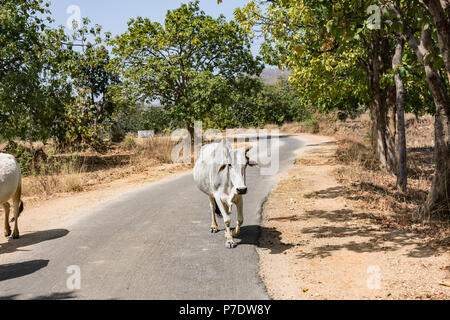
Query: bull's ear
{"points": [[222, 167]]}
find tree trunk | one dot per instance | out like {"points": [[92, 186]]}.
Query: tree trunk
{"points": [[382, 137], [191, 130], [438, 201], [391, 129], [400, 106], [437, 9]]}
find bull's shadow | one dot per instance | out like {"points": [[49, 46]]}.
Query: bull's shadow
{"points": [[17, 270], [30, 239], [250, 235], [51, 296]]}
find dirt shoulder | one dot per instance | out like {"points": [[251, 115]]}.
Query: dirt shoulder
{"points": [[318, 242]]}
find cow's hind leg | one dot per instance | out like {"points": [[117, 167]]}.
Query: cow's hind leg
{"points": [[214, 227], [7, 229], [17, 207]]}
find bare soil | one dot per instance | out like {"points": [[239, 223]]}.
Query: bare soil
{"points": [[321, 239]]}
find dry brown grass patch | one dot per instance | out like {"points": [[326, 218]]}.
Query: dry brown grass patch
{"points": [[375, 191]]}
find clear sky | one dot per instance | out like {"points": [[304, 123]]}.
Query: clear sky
{"points": [[113, 15]]}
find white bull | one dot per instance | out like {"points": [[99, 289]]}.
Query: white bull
{"points": [[10, 188], [220, 173]]}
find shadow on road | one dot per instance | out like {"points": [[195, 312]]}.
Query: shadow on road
{"points": [[57, 296], [251, 235], [31, 239], [17, 270], [52, 296]]}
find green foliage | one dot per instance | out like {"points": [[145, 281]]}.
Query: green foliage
{"points": [[31, 93], [129, 143], [22, 155], [189, 64], [257, 104], [94, 100], [328, 46]]}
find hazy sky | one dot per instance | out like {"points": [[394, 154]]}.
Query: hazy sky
{"points": [[113, 15]]}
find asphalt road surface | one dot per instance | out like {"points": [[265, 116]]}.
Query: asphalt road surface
{"points": [[151, 243]]}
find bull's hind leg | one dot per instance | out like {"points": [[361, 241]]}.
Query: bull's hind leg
{"points": [[15, 234], [7, 229], [214, 227], [17, 203]]}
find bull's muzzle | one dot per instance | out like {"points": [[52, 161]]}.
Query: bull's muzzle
{"points": [[241, 190]]}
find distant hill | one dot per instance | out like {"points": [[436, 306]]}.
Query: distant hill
{"points": [[271, 75]]}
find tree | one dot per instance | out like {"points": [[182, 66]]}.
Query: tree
{"points": [[310, 34], [338, 61], [92, 85], [419, 34], [402, 174], [31, 93], [189, 64]]}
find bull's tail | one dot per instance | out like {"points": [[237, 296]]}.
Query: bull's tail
{"points": [[218, 213], [20, 207], [18, 195]]}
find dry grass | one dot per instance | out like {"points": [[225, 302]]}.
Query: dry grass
{"points": [[335, 212], [375, 190], [73, 173], [158, 148]]}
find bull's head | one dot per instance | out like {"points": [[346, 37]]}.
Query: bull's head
{"points": [[235, 168]]}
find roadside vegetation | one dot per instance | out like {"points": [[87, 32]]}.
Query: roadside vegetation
{"points": [[389, 57], [71, 103], [70, 100]]}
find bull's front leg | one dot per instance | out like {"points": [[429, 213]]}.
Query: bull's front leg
{"points": [[240, 216], [214, 227], [227, 221]]}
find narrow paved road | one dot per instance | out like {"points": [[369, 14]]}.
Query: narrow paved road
{"points": [[152, 243]]}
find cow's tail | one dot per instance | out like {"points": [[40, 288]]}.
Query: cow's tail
{"points": [[18, 196], [218, 213]]}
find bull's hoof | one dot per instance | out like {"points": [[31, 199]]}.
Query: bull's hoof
{"points": [[7, 234], [214, 230], [15, 236], [230, 244]]}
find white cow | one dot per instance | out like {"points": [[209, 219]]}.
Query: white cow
{"points": [[10, 188], [220, 173]]}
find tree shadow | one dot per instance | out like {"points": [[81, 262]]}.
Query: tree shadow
{"points": [[56, 296], [52, 296], [413, 195], [374, 239], [11, 297], [262, 237], [330, 193], [30, 239], [327, 143], [17, 270], [421, 162]]}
